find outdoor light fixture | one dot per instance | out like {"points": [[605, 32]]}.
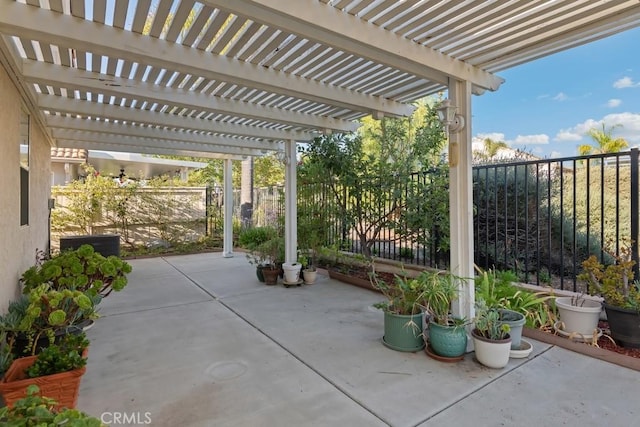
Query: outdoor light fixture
{"points": [[452, 123], [282, 157]]}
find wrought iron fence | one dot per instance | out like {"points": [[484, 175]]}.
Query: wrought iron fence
{"points": [[542, 218], [539, 218]]}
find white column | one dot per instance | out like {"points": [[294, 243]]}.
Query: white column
{"points": [[227, 188], [290, 203], [461, 200]]}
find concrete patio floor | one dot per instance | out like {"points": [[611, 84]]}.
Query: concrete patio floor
{"points": [[196, 340]]}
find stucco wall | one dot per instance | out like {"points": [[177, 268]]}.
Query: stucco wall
{"points": [[18, 243]]}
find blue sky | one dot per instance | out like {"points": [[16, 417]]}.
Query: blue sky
{"points": [[546, 106]]}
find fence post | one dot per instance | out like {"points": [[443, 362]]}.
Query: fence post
{"points": [[207, 207], [635, 190]]}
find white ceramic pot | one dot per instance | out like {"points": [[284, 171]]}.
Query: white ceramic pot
{"points": [[492, 354], [581, 319], [291, 271]]}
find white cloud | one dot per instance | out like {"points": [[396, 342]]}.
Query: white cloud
{"points": [[625, 82], [561, 96], [629, 128], [495, 136], [613, 103], [555, 154], [567, 135], [538, 139]]}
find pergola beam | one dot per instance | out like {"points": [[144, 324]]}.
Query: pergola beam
{"points": [[126, 148], [74, 79], [129, 141], [115, 112], [39, 24], [159, 134], [328, 25]]}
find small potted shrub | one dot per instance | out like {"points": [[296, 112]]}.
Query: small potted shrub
{"points": [[514, 305], [252, 240], [447, 335], [491, 339], [620, 292], [57, 370], [44, 316], [403, 315], [82, 269], [272, 251], [35, 410]]}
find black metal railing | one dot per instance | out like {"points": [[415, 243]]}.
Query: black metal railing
{"points": [[539, 218], [542, 218]]}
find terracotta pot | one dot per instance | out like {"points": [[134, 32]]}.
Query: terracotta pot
{"points": [[270, 275], [62, 387]]}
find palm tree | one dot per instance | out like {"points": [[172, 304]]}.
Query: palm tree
{"points": [[604, 141], [490, 149]]}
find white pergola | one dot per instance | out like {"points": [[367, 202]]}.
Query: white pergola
{"points": [[238, 78]]}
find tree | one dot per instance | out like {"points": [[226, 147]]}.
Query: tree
{"points": [[604, 141], [366, 173], [491, 149]]}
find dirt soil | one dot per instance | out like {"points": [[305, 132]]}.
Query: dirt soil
{"points": [[607, 344]]}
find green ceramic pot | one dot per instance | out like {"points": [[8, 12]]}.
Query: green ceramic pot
{"points": [[447, 341], [403, 332]]}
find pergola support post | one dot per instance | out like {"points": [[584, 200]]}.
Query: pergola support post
{"points": [[290, 203], [227, 241], [461, 201]]}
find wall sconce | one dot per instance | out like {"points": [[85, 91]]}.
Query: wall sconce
{"points": [[452, 123], [282, 157]]}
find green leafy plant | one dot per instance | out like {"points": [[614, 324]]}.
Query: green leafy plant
{"points": [[614, 281], [439, 290], [38, 411], [496, 288], [6, 356], [272, 251], [488, 323], [82, 269], [61, 357], [254, 239], [403, 296], [48, 310]]}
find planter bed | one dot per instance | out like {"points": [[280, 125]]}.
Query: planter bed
{"points": [[626, 357]]}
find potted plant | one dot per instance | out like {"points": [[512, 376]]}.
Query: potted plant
{"points": [[447, 335], [81, 269], [272, 251], [57, 370], [309, 272], [35, 409], [496, 289], [252, 240], [491, 339], [311, 232], [614, 282], [43, 317], [578, 316], [403, 315]]}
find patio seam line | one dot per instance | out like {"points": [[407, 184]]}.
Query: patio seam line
{"points": [[336, 386], [465, 396], [142, 310]]}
